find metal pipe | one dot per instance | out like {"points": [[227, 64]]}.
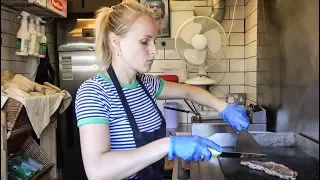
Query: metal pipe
{"points": [[218, 10]]}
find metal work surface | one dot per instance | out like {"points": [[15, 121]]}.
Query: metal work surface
{"points": [[290, 149], [307, 167]]}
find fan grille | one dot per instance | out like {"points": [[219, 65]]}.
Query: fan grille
{"points": [[207, 24]]}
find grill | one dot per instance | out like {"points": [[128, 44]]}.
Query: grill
{"points": [[290, 149]]}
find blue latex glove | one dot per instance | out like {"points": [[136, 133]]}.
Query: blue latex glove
{"points": [[191, 148], [236, 116]]}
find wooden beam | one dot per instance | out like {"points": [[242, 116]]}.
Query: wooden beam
{"points": [[4, 165]]}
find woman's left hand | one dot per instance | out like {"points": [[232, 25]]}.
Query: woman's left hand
{"points": [[236, 116]]}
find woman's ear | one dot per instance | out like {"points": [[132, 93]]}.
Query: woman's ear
{"points": [[114, 40]]}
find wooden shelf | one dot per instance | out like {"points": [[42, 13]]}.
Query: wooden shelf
{"points": [[34, 8]]}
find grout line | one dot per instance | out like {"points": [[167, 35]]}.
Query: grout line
{"points": [[247, 2], [250, 29], [251, 13], [251, 42]]}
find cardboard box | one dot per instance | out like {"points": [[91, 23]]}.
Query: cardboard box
{"points": [[58, 6]]}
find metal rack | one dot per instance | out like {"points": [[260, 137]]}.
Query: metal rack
{"points": [[34, 8]]}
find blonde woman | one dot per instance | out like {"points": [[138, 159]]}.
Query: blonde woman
{"points": [[122, 131]]}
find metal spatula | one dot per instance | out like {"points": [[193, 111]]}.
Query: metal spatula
{"points": [[246, 143]]}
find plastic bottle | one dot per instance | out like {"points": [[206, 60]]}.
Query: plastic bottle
{"points": [[37, 46], [33, 35], [43, 41], [23, 36]]}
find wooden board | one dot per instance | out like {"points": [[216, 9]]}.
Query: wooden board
{"points": [[4, 166]]}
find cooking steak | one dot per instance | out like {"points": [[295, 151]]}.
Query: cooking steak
{"points": [[272, 168]]}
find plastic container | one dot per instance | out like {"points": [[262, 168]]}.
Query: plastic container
{"points": [[43, 41], [33, 35], [23, 36], [171, 116], [38, 35], [171, 78]]}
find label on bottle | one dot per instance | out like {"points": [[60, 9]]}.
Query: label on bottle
{"points": [[25, 44], [37, 47], [42, 50], [18, 45]]}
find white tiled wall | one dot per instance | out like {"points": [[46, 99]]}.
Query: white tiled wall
{"points": [[250, 66], [9, 28], [231, 81]]}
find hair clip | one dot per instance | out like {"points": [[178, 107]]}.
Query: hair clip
{"points": [[111, 9]]}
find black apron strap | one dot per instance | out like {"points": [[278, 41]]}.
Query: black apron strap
{"points": [[163, 124], [136, 132]]}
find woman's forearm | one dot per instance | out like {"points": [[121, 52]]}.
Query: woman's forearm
{"points": [[122, 164], [203, 97]]}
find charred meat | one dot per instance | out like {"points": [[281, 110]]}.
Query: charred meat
{"points": [[272, 168]]}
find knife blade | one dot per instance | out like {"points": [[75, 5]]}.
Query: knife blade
{"points": [[216, 153], [246, 143]]}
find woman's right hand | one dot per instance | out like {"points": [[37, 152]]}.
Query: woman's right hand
{"points": [[191, 148]]}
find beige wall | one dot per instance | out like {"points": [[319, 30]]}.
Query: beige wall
{"points": [[251, 51]]}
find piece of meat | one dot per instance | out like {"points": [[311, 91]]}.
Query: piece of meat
{"points": [[272, 168]]}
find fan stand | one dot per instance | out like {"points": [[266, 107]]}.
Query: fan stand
{"points": [[202, 79]]}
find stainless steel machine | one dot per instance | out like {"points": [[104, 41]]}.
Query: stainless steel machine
{"points": [[77, 63]]}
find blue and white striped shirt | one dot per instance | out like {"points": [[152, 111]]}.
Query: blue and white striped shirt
{"points": [[97, 102]]}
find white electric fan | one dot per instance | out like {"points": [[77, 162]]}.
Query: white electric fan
{"points": [[200, 42]]}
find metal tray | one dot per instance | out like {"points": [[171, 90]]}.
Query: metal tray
{"points": [[290, 149]]}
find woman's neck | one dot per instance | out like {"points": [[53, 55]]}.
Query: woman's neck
{"points": [[124, 73]]}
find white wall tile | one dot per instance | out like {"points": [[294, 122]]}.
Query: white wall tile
{"points": [[251, 20], [227, 13], [5, 14], [251, 93], [50, 38], [5, 26], [235, 51], [177, 18], [51, 48], [228, 78], [4, 53], [236, 39], [20, 67], [232, 2], [239, 14], [52, 58], [251, 35], [171, 54], [237, 65], [250, 78], [5, 39], [221, 66], [159, 64], [203, 11], [246, 1], [13, 41], [250, 102], [6, 65], [251, 50], [251, 64], [238, 25], [220, 91], [250, 7], [160, 54], [237, 89], [181, 105], [14, 19]]}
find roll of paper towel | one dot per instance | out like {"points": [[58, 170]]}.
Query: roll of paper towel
{"points": [[171, 116]]}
